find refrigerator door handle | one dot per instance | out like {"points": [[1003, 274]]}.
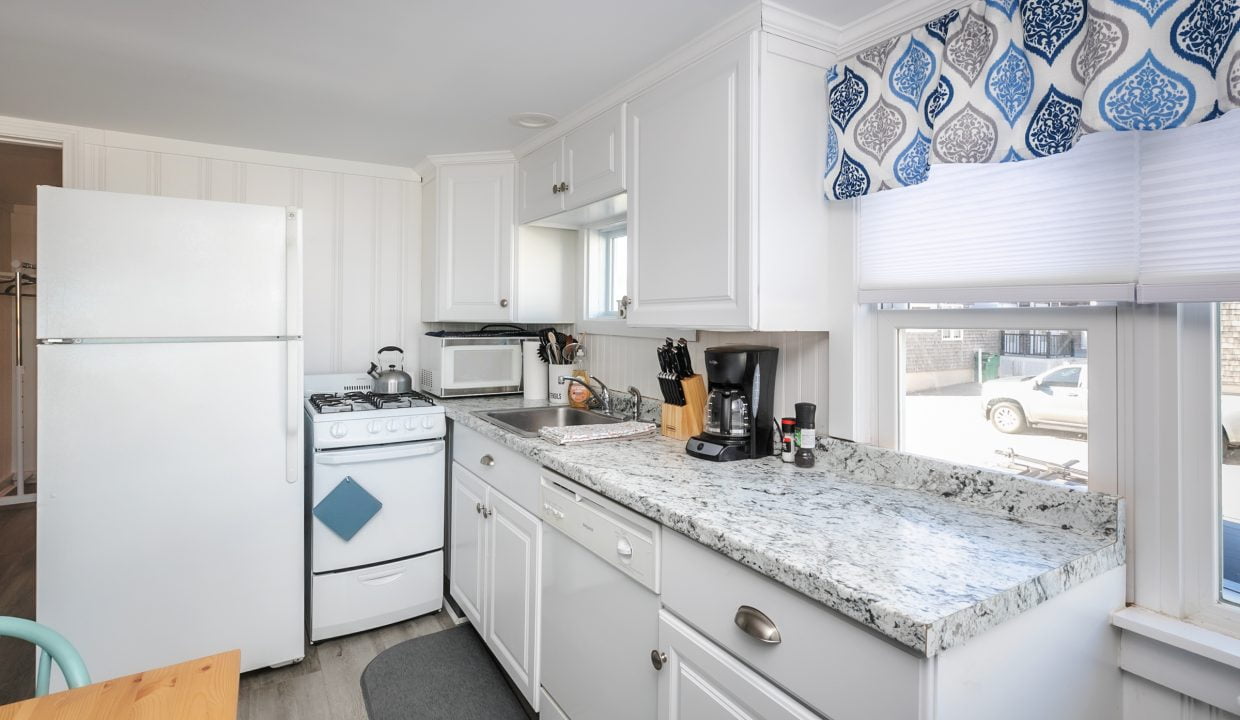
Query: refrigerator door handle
{"points": [[292, 264], [293, 463]]}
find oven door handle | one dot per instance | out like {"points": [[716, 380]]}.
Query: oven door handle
{"points": [[389, 452]]}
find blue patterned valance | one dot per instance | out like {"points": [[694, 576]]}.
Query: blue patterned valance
{"points": [[1004, 80]]}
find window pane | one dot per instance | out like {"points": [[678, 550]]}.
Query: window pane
{"points": [[1229, 437], [1011, 400], [607, 268]]}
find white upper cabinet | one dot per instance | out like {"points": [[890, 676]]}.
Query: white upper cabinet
{"points": [[539, 175], [473, 243], [476, 265], [584, 166], [594, 160], [727, 223], [689, 211]]}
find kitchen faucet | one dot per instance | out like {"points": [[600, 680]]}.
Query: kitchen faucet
{"points": [[599, 400]]}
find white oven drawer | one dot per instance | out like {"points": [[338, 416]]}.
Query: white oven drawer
{"points": [[408, 479], [356, 600]]}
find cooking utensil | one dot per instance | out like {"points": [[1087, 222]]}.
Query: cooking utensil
{"points": [[553, 347], [393, 380]]}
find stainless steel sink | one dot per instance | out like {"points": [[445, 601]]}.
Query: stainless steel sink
{"points": [[528, 421]]}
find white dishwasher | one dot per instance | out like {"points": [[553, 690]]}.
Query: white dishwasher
{"points": [[600, 606]]}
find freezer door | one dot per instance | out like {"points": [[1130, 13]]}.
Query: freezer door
{"points": [[170, 508], [114, 265]]}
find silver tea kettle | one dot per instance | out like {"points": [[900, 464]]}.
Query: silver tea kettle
{"points": [[394, 380]]}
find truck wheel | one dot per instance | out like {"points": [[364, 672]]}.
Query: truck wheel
{"points": [[1007, 417]]}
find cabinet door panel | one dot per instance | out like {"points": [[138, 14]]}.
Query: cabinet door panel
{"points": [[513, 583], [537, 173], [468, 565], [594, 160], [700, 681], [475, 242], [690, 187]]}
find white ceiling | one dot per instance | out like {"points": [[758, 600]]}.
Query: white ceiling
{"points": [[387, 81]]}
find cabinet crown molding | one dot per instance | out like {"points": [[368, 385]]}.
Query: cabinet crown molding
{"points": [[427, 169], [793, 25]]}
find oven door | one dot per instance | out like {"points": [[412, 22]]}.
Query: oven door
{"points": [[473, 367], [408, 478]]}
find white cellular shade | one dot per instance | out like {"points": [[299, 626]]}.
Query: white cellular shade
{"points": [[1190, 213], [1057, 228]]}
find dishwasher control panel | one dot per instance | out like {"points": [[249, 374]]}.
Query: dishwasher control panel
{"points": [[616, 534]]}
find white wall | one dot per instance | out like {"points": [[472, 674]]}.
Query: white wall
{"points": [[801, 375], [1144, 700], [362, 239]]}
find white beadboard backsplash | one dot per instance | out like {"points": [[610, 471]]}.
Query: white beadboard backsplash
{"points": [[800, 377]]}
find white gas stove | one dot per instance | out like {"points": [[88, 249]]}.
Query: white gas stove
{"points": [[344, 413], [375, 469]]}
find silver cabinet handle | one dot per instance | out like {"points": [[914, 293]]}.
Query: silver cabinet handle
{"points": [[487, 460], [488, 511], [757, 625], [555, 188], [478, 508], [503, 302], [658, 659]]}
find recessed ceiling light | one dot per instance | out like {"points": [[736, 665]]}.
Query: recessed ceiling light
{"points": [[533, 120]]}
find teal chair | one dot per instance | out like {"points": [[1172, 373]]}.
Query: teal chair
{"points": [[53, 646]]}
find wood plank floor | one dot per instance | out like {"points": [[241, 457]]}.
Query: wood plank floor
{"points": [[17, 542], [327, 684]]}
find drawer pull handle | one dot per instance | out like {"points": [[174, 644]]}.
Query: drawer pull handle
{"points": [[658, 659], [478, 508], [757, 625], [488, 461]]}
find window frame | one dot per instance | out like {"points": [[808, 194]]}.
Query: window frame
{"points": [[614, 324], [1101, 322], [1177, 493]]}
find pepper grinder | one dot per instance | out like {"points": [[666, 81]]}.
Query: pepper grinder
{"points": [[805, 434]]}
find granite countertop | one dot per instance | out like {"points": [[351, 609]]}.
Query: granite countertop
{"points": [[924, 552]]}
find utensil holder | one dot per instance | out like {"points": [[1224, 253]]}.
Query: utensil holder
{"points": [[684, 421], [557, 392]]}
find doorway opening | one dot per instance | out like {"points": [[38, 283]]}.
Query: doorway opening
{"points": [[22, 169]]}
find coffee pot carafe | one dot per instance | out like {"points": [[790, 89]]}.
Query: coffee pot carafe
{"points": [[727, 413]]}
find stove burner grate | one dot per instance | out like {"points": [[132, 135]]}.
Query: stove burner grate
{"points": [[325, 403]]}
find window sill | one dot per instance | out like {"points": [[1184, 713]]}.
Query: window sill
{"points": [[1205, 642], [1192, 660]]}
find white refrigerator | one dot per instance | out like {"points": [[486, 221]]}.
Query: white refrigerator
{"points": [[170, 494]]}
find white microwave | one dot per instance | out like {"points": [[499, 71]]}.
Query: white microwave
{"points": [[470, 363]]}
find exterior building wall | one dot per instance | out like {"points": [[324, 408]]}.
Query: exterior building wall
{"points": [[1229, 346], [931, 351]]}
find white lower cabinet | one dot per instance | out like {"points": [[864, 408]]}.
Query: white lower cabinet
{"points": [[701, 681], [468, 545], [513, 545], [495, 574]]}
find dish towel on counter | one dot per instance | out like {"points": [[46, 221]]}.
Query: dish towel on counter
{"points": [[590, 433]]}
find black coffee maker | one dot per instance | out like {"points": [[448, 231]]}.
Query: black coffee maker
{"points": [[739, 405]]}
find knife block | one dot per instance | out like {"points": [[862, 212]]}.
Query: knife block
{"points": [[684, 421]]}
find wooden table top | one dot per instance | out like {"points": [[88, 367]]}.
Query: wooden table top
{"points": [[202, 689]]}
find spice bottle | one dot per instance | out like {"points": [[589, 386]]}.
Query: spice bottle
{"points": [[806, 436], [787, 434]]}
